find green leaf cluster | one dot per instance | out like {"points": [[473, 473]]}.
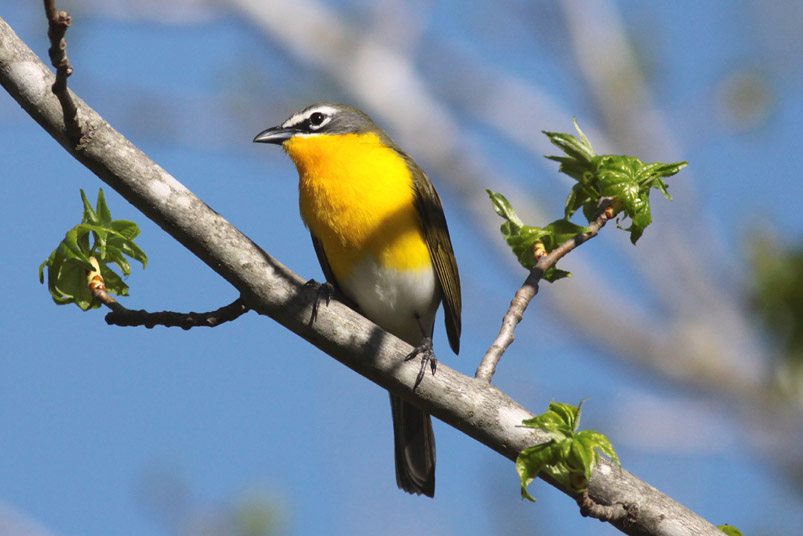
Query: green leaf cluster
{"points": [[569, 456], [526, 240], [97, 238], [624, 179]]}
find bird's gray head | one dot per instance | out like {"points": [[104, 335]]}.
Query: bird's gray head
{"points": [[321, 118]]}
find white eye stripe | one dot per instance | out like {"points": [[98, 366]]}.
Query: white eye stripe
{"points": [[301, 117]]}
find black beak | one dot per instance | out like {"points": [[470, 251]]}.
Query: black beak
{"points": [[277, 135]]}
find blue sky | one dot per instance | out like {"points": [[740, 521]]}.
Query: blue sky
{"points": [[92, 417]]}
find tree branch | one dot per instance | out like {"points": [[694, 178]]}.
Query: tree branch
{"points": [[125, 317], [529, 289], [474, 407], [58, 22], [120, 316]]}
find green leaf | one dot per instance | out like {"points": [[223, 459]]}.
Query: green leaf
{"points": [[72, 284], [600, 442], [127, 229], [503, 207], [115, 255], [560, 231], [47, 262], [730, 530], [99, 235], [553, 274], [578, 150], [552, 423], [579, 196], [569, 456], [529, 463], [524, 240], [90, 216], [101, 238], [569, 415], [582, 458], [114, 283], [545, 457], [132, 250], [102, 210], [72, 247]]}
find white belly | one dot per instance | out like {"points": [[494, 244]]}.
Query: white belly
{"points": [[392, 299]]}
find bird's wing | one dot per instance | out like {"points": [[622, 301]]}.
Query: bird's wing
{"points": [[433, 222]]}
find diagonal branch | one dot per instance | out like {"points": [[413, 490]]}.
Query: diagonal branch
{"points": [[529, 289], [476, 408]]}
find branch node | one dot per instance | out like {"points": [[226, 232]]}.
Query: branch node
{"points": [[624, 514], [58, 22]]}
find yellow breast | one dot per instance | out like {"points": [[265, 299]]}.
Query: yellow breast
{"points": [[356, 196]]}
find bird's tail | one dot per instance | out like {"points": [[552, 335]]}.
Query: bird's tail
{"points": [[415, 448]]}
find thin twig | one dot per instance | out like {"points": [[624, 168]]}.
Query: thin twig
{"points": [[122, 316], [529, 289], [58, 22]]}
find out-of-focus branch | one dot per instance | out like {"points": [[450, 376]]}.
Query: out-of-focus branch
{"points": [[15, 523], [722, 340]]}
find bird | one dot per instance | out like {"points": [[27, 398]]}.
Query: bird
{"points": [[380, 235]]}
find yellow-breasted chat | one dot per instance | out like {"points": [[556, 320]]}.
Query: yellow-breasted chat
{"points": [[379, 231]]}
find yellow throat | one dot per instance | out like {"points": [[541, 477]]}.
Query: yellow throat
{"points": [[357, 197]]}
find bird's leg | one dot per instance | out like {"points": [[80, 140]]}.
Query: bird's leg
{"points": [[325, 292], [427, 354]]}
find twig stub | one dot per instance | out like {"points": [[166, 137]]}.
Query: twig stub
{"points": [[58, 22], [614, 513]]}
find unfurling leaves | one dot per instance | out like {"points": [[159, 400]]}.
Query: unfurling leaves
{"points": [[569, 456], [626, 180], [76, 260], [526, 241]]}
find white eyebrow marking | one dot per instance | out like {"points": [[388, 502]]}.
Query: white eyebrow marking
{"points": [[300, 117]]}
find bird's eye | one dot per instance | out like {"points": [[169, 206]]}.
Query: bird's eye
{"points": [[316, 119]]}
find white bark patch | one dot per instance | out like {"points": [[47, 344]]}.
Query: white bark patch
{"points": [[511, 418], [160, 190], [603, 469], [32, 80]]}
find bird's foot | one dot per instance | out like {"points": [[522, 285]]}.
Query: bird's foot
{"points": [[427, 357], [325, 292]]}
